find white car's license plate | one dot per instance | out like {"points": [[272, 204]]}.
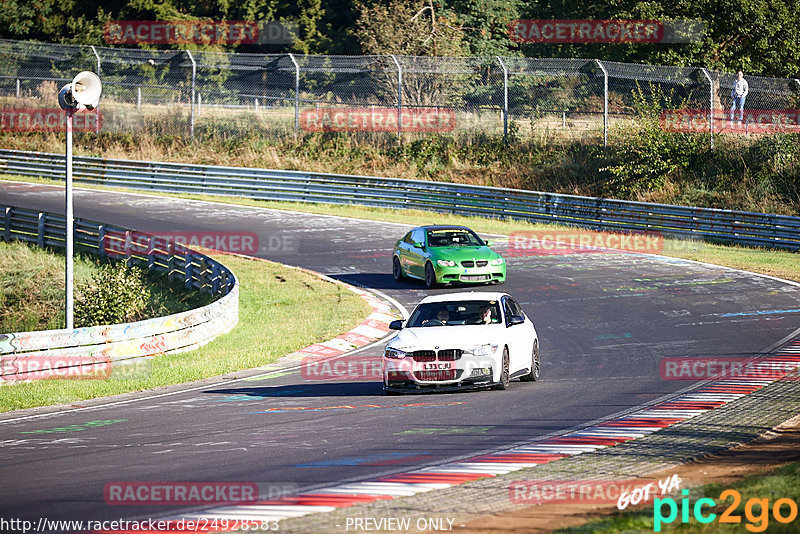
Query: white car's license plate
{"points": [[437, 366]]}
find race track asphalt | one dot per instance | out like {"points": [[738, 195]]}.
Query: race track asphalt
{"points": [[605, 322]]}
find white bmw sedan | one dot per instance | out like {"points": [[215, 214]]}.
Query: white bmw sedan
{"points": [[461, 341]]}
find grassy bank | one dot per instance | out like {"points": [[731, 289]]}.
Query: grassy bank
{"points": [[272, 296], [755, 173], [32, 289], [782, 483]]}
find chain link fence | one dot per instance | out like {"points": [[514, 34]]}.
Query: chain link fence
{"points": [[200, 94]]}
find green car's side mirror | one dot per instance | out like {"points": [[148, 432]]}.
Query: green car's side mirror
{"points": [[489, 243], [419, 245]]}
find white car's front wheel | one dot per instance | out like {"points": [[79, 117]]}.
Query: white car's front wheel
{"points": [[504, 374], [535, 365]]}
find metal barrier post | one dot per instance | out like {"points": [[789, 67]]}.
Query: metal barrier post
{"points": [[605, 103], [711, 105], [194, 76], [296, 93], [7, 225], [399, 95], [505, 99]]}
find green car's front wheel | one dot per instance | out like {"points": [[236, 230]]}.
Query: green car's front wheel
{"points": [[397, 270], [430, 276]]}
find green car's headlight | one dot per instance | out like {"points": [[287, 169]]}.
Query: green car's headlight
{"points": [[497, 261], [394, 353], [446, 263]]}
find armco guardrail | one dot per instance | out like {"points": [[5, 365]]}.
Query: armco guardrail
{"points": [[746, 228], [93, 350]]}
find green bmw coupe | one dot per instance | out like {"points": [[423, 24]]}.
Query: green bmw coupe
{"points": [[446, 255]]}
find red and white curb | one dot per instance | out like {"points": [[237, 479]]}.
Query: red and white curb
{"points": [[606, 434]]}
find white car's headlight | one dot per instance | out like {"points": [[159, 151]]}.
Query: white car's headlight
{"points": [[394, 353], [446, 263], [482, 350], [497, 261]]}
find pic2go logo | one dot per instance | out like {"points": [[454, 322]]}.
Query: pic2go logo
{"points": [[758, 521]]}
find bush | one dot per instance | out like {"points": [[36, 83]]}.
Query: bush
{"points": [[117, 294]]}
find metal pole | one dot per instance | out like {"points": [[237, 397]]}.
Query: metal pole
{"points": [[18, 88], [97, 111], [505, 99], [296, 93], [605, 103], [399, 95], [138, 98], [711, 106], [194, 74], [70, 321]]}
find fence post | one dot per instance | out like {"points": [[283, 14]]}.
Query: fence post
{"points": [[194, 75], [711, 105], [505, 99], [296, 93], [18, 87], [399, 95], [97, 111], [605, 103]]}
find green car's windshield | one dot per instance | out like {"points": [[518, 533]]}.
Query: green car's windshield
{"points": [[453, 237], [466, 312]]}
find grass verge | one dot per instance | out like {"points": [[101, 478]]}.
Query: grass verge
{"points": [[771, 262], [272, 297], [32, 288], [783, 482]]}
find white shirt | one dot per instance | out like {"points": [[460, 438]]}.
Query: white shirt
{"points": [[740, 88]]}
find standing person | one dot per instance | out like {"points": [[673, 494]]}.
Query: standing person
{"points": [[739, 93]]}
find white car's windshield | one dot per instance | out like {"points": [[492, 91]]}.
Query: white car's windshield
{"points": [[453, 237], [465, 312]]}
